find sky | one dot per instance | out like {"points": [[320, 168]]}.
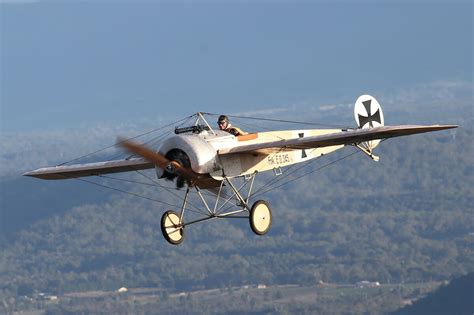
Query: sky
{"points": [[69, 63]]}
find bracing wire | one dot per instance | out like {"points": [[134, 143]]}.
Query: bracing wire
{"points": [[125, 192], [274, 183], [290, 171], [139, 196], [260, 192], [153, 182], [252, 128], [308, 173], [281, 121], [131, 138], [157, 139]]}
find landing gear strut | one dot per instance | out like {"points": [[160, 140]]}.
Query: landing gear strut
{"points": [[259, 215]]}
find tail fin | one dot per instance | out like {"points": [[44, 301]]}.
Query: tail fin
{"points": [[368, 114]]}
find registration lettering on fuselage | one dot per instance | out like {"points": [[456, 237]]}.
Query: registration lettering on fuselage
{"points": [[278, 159]]}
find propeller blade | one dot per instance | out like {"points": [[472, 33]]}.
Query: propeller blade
{"points": [[203, 181], [158, 159]]}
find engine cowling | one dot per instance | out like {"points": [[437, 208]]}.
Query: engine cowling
{"points": [[201, 155]]}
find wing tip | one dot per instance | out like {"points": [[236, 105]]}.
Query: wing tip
{"points": [[43, 175], [39, 176], [33, 173], [443, 127]]}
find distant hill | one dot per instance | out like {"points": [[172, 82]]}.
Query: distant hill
{"points": [[405, 218], [25, 201], [456, 298]]}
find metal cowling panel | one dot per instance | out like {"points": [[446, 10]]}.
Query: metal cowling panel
{"points": [[201, 154]]}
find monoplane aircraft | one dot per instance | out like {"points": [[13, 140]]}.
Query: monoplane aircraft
{"points": [[202, 158]]}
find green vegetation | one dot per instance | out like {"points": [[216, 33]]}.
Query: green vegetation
{"points": [[289, 299], [406, 219]]}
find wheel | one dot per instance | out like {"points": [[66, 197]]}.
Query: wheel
{"points": [[171, 227], [260, 217]]}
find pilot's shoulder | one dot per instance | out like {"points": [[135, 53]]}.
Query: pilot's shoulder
{"points": [[236, 131]]}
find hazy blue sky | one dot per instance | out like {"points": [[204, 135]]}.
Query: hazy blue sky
{"points": [[64, 63]]}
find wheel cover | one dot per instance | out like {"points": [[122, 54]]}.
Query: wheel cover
{"points": [[171, 227], [261, 218]]}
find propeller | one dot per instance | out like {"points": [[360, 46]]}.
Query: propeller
{"points": [[176, 165], [182, 159]]}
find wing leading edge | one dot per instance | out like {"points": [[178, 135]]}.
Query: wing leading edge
{"points": [[339, 138], [91, 169]]}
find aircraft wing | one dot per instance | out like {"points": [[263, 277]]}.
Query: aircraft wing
{"points": [[91, 169], [148, 159], [338, 138]]}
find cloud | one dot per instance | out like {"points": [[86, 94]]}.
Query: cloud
{"points": [[327, 107], [428, 93], [18, 1]]}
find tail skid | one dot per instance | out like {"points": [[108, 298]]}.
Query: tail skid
{"points": [[374, 157]]}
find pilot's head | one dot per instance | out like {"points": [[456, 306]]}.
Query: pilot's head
{"points": [[223, 122]]}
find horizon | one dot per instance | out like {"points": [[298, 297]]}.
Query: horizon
{"points": [[72, 64]]}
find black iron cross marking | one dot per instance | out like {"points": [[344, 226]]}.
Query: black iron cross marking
{"points": [[303, 153], [370, 118]]}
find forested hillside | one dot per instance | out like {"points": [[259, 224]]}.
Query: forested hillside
{"points": [[405, 219]]}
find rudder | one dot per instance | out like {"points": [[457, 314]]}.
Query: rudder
{"points": [[368, 114]]}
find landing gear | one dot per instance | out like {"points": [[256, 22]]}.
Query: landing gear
{"points": [[172, 228], [227, 204], [260, 217]]}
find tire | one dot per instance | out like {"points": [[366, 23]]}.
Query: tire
{"points": [[260, 217], [171, 227]]}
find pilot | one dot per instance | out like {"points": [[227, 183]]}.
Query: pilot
{"points": [[225, 125]]}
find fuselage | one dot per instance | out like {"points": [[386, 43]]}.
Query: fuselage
{"points": [[209, 151]]}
